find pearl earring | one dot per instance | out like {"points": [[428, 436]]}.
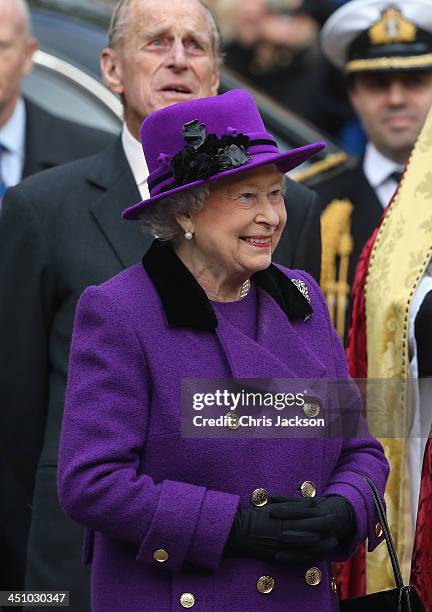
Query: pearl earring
{"points": [[188, 235]]}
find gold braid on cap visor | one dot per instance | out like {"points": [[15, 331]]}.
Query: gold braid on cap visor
{"points": [[414, 61]]}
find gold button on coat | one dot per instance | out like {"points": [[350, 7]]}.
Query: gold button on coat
{"points": [[313, 576], [259, 497], [311, 408], [233, 420], [333, 585], [187, 600], [308, 489], [160, 555], [378, 530], [265, 584]]}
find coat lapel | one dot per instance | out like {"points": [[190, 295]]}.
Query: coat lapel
{"points": [[279, 351], [37, 154], [112, 173], [281, 306]]}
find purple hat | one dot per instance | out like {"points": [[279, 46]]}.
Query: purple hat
{"points": [[202, 140]]}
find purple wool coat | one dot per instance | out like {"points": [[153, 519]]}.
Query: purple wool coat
{"points": [[127, 474]]}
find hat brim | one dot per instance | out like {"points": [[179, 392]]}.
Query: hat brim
{"points": [[284, 161], [410, 63]]}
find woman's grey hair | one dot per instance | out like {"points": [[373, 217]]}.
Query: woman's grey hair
{"points": [[119, 21], [160, 218]]}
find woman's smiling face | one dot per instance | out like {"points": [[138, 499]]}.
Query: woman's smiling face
{"points": [[241, 223]]}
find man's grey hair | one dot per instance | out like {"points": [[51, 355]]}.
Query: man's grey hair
{"points": [[160, 219], [119, 22]]}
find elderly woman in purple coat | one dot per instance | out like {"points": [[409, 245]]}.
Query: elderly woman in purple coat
{"points": [[221, 523]]}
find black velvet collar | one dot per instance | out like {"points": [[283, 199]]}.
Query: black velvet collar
{"points": [[185, 302]]}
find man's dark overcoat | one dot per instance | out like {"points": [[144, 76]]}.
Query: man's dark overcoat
{"points": [[49, 141]]}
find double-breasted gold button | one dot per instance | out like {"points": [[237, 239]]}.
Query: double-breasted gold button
{"points": [[187, 600], [333, 585], [308, 489], [265, 584], [259, 497], [233, 420], [160, 555], [378, 530], [311, 408], [313, 576]]}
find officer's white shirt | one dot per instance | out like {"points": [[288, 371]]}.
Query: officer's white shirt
{"points": [[12, 137], [377, 170], [135, 156]]}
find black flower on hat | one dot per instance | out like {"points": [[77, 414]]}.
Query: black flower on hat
{"points": [[206, 155]]}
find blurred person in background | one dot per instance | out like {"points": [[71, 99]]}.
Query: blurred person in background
{"points": [[385, 50], [60, 232], [31, 140], [274, 45]]}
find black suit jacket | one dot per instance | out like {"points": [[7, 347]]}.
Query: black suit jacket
{"points": [[51, 141], [367, 209], [366, 214], [62, 231]]}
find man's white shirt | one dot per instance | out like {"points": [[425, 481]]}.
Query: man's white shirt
{"points": [[12, 137], [137, 162], [377, 170]]}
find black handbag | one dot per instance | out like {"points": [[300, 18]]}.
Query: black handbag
{"points": [[402, 598]]}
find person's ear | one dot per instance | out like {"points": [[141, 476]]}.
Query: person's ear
{"points": [[112, 71], [185, 221], [353, 97], [215, 82], [31, 46]]}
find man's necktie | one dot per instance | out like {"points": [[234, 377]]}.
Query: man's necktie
{"points": [[3, 186]]}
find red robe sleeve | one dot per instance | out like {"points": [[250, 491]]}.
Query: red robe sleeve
{"points": [[421, 565]]}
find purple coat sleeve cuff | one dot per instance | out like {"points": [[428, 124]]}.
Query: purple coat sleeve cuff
{"points": [[354, 488], [190, 524], [213, 527]]}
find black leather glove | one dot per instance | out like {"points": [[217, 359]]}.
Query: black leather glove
{"points": [[255, 533], [328, 517]]}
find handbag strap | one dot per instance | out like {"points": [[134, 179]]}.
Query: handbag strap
{"points": [[386, 530]]}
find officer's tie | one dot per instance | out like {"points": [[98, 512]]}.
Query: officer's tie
{"points": [[396, 176]]}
